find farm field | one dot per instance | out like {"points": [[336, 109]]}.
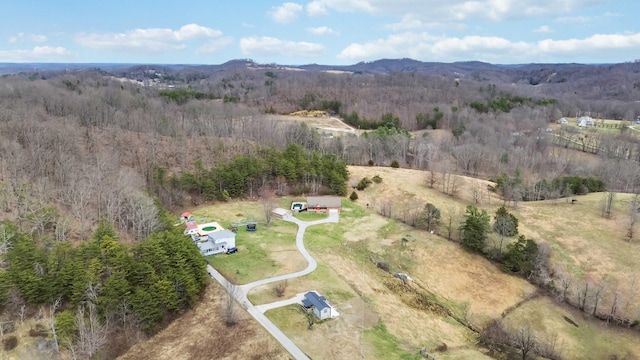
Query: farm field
{"points": [[452, 292]]}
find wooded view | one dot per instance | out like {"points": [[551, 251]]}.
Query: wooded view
{"points": [[95, 165]]}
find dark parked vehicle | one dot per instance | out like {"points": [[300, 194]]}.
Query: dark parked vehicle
{"points": [[232, 250]]}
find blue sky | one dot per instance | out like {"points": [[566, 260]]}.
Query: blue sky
{"points": [[320, 31]]}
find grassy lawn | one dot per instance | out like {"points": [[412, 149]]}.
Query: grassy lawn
{"points": [[387, 346], [310, 216], [267, 252], [582, 243]]}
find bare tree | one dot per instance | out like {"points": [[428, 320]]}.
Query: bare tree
{"points": [[582, 295], [633, 217], [525, 341], [608, 203], [230, 304], [52, 323], [431, 179], [280, 288], [597, 296], [92, 334], [268, 203], [451, 220]]}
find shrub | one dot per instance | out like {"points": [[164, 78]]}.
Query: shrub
{"points": [[363, 184], [371, 163], [395, 164], [377, 179], [10, 343], [354, 196], [38, 331]]}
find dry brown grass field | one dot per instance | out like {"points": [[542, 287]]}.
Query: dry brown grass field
{"points": [[380, 317], [202, 334]]}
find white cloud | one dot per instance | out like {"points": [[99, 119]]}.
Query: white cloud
{"points": [[322, 7], [596, 42], [543, 29], [214, 45], [27, 37], [322, 30], [273, 46], [286, 12], [573, 19], [423, 46], [153, 39], [439, 12], [37, 54]]}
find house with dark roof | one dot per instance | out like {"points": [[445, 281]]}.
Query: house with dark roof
{"points": [[317, 304], [323, 203]]}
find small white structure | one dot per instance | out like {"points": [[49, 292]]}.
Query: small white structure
{"points": [[217, 242], [281, 213], [562, 121], [318, 305], [585, 121]]}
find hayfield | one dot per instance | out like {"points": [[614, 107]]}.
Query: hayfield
{"points": [[383, 318]]}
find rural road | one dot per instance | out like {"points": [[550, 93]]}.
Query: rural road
{"points": [[240, 292]]}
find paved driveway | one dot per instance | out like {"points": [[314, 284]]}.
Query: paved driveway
{"points": [[240, 292]]}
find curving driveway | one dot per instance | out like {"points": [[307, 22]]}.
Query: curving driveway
{"points": [[240, 292]]}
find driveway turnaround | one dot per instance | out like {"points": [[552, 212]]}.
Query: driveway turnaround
{"points": [[240, 291]]}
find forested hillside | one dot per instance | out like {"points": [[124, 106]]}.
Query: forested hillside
{"points": [[118, 147]]}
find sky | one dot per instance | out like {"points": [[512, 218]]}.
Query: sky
{"points": [[331, 32]]}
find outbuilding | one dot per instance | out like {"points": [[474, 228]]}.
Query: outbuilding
{"points": [[317, 304], [280, 213]]}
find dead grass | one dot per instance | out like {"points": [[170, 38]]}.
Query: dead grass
{"points": [[202, 334], [470, 288], [587, 340]]}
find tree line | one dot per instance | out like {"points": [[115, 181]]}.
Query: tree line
{"points": [[293, 170], [102, 283]]}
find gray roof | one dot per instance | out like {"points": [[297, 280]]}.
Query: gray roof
{"points": [[204, 246], [313, 299], [323, 201], [219, 235]]}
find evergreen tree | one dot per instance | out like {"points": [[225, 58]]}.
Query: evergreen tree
{"points": [[521, 256], [475, 229]]}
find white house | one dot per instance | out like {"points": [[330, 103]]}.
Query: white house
{"points": [[217, 242], [318, 305], [562, 121], [586, 121]]}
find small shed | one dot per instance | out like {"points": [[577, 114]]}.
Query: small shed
{"points": [[281, 213], [323, 203], [317, 304]]}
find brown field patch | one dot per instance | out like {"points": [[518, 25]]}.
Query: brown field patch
{"points": [[584, 340], [201, 334]]}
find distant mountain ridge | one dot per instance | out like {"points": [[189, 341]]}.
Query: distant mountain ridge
{"points": [[618, 81]]}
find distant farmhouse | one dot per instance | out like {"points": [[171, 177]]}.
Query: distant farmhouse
{"points": [[323, 203], [585, 121]]}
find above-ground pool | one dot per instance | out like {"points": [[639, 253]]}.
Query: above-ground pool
{"points": [[209, 228]]}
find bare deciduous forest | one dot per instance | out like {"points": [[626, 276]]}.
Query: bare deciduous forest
{"points": [[82, 146]]}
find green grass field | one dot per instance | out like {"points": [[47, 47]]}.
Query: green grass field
{"points": [[582, 242]]}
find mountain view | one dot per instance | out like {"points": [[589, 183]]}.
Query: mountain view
{"points": [[389, 209]]}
